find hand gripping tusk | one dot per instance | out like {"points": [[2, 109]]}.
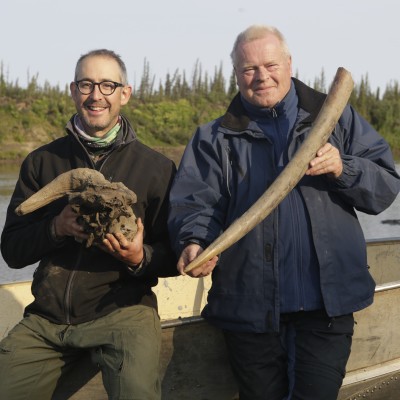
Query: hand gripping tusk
{"points": [[325, 122]]}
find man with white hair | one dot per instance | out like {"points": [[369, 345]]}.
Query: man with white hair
{"points": [[284, 294]]}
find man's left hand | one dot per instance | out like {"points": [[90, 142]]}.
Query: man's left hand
{"points": [[130, 253], [327, 161]]}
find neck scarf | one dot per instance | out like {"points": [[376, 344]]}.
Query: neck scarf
{"points": [[97, 142]]}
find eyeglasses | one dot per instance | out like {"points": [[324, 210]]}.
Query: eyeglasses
{"points": [[107, 88]]}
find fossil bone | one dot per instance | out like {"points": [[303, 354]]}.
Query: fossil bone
{"points": [[102, 206]]}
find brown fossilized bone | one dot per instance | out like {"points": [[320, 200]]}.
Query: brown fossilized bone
{"points": [[331, 110], [102, 206]]}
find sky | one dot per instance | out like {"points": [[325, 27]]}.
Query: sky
{"points": [[44, 38]]}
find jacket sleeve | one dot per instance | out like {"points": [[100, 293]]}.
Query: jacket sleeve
{"points": [[160, 259], [369, 181], [198, 198], [26, 239]]}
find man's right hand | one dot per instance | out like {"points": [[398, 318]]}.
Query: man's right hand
{"points": [[65, 224], [189, 253]]}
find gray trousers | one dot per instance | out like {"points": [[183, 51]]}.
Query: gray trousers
{"points": [[124, 344]]}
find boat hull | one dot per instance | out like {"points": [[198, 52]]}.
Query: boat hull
{"points": [[194, 362]]}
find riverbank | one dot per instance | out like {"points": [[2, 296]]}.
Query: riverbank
{"points": [[172, 152]]}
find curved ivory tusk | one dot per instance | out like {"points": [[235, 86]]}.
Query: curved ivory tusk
{"points": [[66, 183], [325, 122]]}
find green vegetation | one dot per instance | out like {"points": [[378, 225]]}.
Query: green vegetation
{"points": [[165, 116]]}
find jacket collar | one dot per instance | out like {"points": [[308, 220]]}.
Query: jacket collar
{"points": [[237, 119]]}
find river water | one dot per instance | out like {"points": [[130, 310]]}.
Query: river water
{"points": [[382, 226]]}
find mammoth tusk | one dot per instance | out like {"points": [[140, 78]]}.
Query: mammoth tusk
{"points": [[325, 122], [68, 182]]}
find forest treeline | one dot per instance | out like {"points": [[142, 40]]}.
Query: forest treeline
{"points": [[164, 113]]}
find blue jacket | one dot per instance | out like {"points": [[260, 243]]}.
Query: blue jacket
{"points": [[228, 165]]}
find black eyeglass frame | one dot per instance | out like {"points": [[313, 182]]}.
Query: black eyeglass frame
{"points": [[116, 85]]}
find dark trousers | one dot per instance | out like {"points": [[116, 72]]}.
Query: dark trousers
{"points": [[306, 360]]}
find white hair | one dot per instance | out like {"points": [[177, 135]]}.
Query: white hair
{"points": [[254, 32]]}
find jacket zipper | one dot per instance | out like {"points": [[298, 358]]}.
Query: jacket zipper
{"points": [[277, 270], [293, 203], [68, 289]]}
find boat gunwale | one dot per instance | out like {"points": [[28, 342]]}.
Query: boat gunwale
{"points": [[387, 286]]}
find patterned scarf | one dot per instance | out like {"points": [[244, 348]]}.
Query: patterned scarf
{"points": [[97, 143]]}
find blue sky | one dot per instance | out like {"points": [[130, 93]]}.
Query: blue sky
{"points": [[46, 37]]}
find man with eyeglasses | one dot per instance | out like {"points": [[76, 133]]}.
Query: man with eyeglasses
{"points": [[94, 299]]}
